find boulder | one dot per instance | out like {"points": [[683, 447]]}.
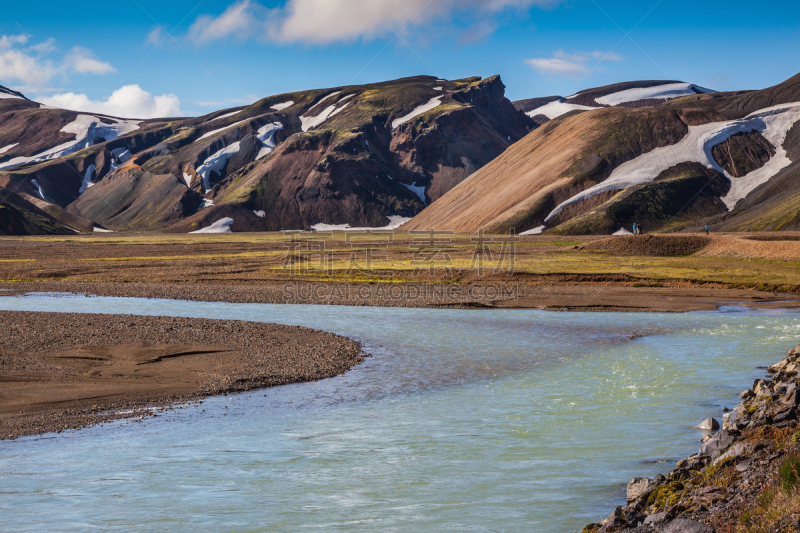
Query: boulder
{"points": [[789, 414], [717, 444], [637, 488], [747, 394], [709, 424], [656, 518], [681, 525]]}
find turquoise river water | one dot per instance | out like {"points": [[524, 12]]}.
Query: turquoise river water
{"points": [[463, 420]]}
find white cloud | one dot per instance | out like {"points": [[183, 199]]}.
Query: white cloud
{"points": [[154, 37], [130, 101], [32, 67], [45, 47], [326, 21], [83, 60], [569, 65], [7, 41]]}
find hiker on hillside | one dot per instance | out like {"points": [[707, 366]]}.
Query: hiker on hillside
{"points": [[634, 228], [706, 230]]}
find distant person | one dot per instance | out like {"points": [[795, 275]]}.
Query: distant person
{"points": [[706, 230], [634, 228], [639, 229]]}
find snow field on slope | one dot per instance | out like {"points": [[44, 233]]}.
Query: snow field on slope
{"points": [[395, 221], [226, 115], [432, 104], [557, 108], [210, 133], [7, 148], [87, 130], [216, 162], [222, 225], [266, 135], [282, 105], [309, 123], [419, 191], [87, 179], [659, 92], [773, 123]]}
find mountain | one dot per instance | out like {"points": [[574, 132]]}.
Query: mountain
{"points": [[357, 155], [730, 160], [628, 94]]}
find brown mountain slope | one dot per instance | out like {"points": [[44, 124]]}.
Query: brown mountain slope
{"points": [[575, 152]]}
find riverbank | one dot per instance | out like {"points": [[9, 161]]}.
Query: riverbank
{"points": [[669, 273], [745, 478], [62, 371]]}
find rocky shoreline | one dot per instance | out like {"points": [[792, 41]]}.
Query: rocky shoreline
{"points": [[743, 479]]}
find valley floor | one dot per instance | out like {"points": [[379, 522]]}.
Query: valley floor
{"points": [[633, 273]]}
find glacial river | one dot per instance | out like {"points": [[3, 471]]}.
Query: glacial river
{"points": [[463, 420]]}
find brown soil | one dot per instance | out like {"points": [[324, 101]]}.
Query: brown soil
{"points": [[65, 371], [652, 245]]}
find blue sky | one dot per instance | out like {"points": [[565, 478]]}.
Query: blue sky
{"points": [[212, 54]]}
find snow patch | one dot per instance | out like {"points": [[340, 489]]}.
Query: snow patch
{"points": [[419, 191], [534, 231], [122, 155], [7, 148], [283, 105], [39, 187], [668, 91], [260, 214], [215, 163], [773, 123], [222, 225], [206, 203], [8, 96], [395, 221], [438, 88], [188, 179], [101, 230], [312, 122], [432, 104], [266, 135], [226, 115], [557, 108], [87, 130], [87, 179], [622, 231], [210, 133]]}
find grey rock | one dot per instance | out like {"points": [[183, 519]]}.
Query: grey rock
{"points": [[681, 525], [747, 394], [717, 444], [637, 488], [789, 414], [708, 424], [655, 518]]}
